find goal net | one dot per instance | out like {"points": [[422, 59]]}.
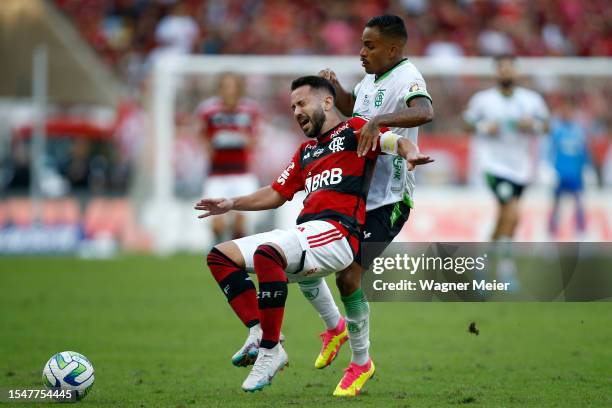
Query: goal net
{"points": [[173, 169]]}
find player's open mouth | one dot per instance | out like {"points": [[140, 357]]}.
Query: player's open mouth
{"points": [[304, 122], [364, 63]]}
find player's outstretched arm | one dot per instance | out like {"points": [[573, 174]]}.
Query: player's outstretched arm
{"points": [[345, 101], [419, 112], [410, 152], [263, 199], [391, 143]]}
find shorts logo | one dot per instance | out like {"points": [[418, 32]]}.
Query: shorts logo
{"points": [[285, 174], [504, 190], [366, 234], [378, 100], [308, 273], [324, 179], [337, 144]]}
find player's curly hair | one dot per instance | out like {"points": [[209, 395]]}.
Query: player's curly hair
{"points": [[315, 82]]}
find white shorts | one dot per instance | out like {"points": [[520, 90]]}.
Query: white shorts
{"points": [[232, 185], [312, 249]]}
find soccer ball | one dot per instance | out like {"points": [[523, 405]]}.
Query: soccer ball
{"points": [[69, 370]]}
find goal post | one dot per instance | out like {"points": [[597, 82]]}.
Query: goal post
{"points": [[168, 71]]}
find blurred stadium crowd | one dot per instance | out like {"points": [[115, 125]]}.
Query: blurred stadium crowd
{"points": [[105, 145], [122, 30], [129, 34]]}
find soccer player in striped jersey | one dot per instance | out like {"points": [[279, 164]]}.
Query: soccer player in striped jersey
{"points": [[325, 239], [229, 126]]}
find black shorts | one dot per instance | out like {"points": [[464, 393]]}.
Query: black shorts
{"points": [[504, 189], [381, 226]]}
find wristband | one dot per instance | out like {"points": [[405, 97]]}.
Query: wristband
{"points": [[388, 142]]}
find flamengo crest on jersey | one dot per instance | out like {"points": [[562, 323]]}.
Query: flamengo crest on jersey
{"points": [[337, 144], [390, 93]]}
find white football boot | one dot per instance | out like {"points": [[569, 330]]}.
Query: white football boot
{"points": [[247, 354], [268, 363]]}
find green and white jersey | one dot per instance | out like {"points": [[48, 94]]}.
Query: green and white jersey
{"points": [[390, 93], [507, 154]]}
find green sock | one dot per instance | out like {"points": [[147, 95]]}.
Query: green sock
{"points": [[358, 321]]}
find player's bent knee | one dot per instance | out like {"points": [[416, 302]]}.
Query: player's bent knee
{"points": [[349, 279], [272, 251], [346, 287], [218, 223], [228, 250]]}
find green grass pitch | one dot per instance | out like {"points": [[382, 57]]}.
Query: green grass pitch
{"points": [[160, 334]]}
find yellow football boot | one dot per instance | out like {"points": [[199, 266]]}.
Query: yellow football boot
{"points": [[332, 341], [355, 377]]}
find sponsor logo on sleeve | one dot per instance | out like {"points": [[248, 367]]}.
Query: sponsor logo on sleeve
{"points": [[285, 174]]}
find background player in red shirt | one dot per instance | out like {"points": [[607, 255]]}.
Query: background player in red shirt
{"points": [[325, 240], [229, 134]]}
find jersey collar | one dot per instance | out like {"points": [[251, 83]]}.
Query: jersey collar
{"points": [[386, 73], [324, 138]]}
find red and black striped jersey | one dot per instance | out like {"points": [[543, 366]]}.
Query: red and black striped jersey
{"points": [[230, 133], [335, 179]]}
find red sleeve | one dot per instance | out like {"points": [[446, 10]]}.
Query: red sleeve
{"points": [[252, 109], [290, 181], [204, 113], [206, 126], [357, 123], [255, 126]]}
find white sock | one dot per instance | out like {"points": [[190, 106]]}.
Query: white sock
{"points": [[358, 322], [506, 267], [318, 294], [504, 246]]}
